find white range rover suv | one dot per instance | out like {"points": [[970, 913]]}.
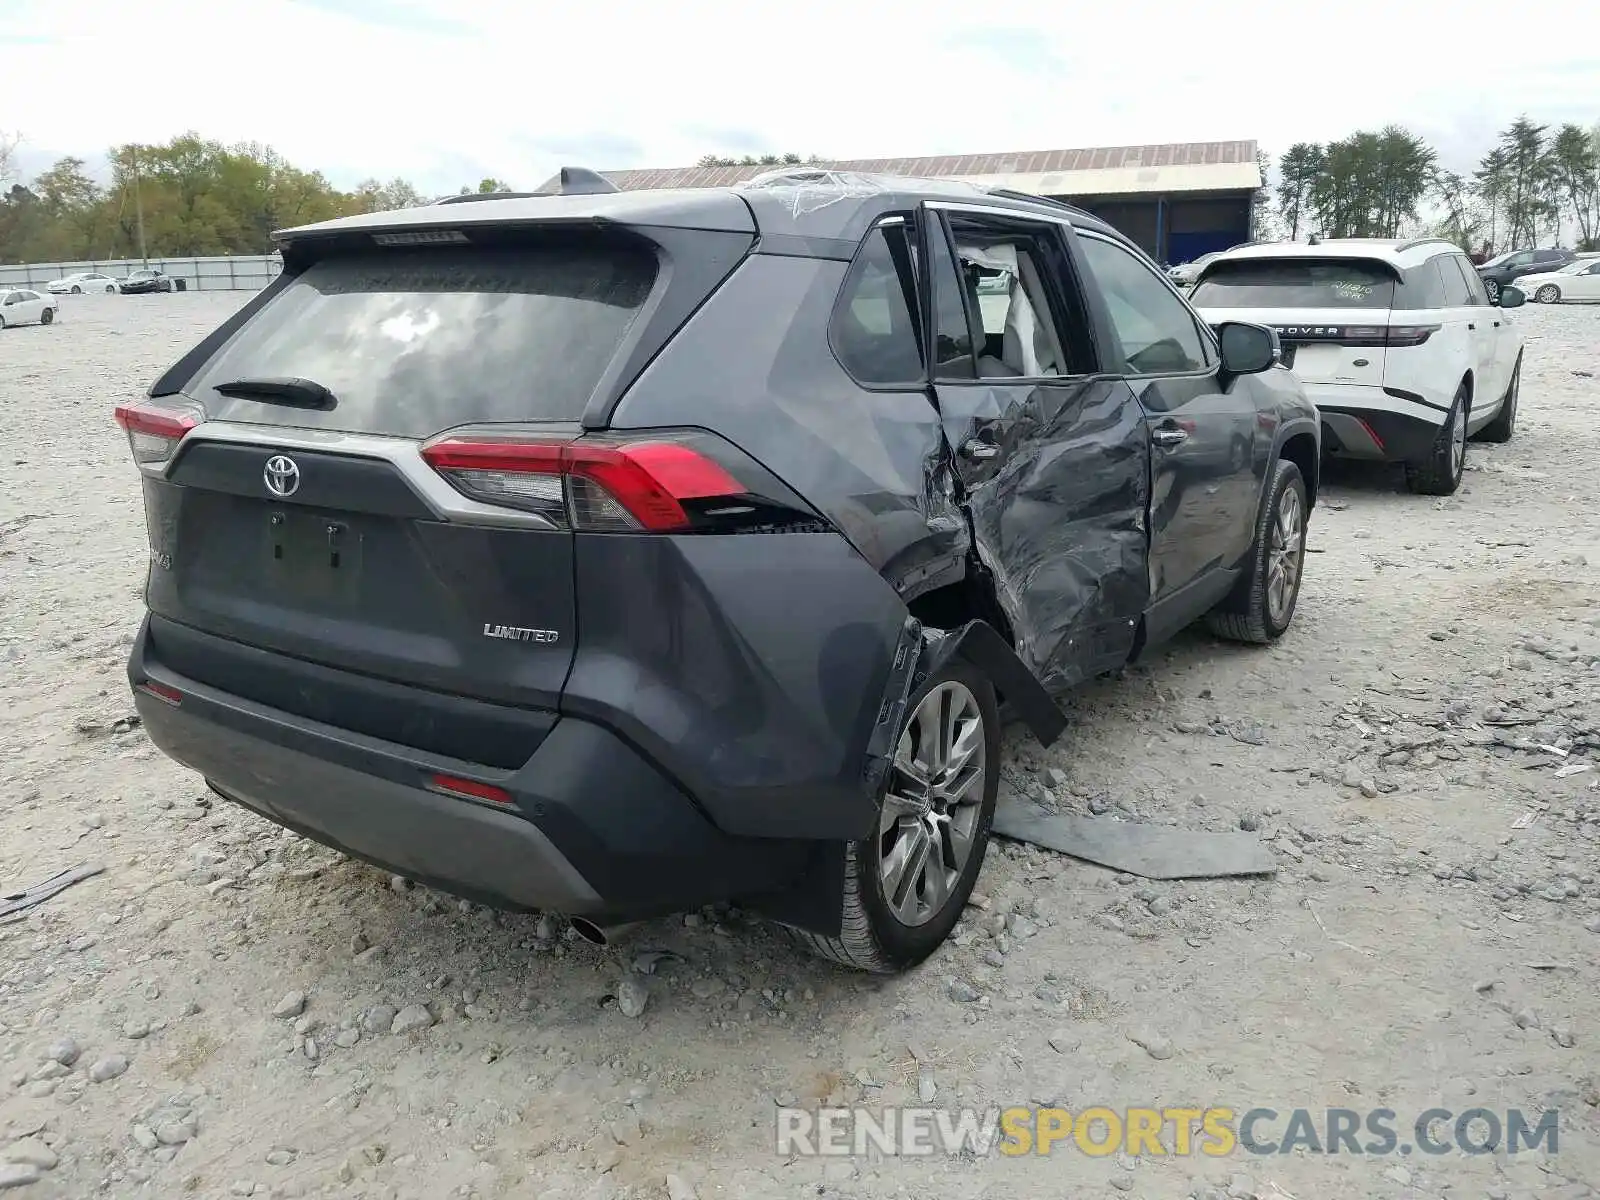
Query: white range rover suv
{"points": [[1397, 342]]}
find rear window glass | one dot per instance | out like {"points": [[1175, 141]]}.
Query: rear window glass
{"points": [[411, 342], [1294, 283]]}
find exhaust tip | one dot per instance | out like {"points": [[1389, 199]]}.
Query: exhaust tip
{"points": [[600, 935]]}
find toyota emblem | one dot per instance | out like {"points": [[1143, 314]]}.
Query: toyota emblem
{"points": [[282, 476]]}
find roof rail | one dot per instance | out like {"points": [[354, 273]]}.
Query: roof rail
{"points": [[469, 197], [1030, 198], [1426, 241], [577, 181]]}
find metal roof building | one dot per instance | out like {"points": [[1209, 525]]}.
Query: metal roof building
{"points": [[1178, 201]]}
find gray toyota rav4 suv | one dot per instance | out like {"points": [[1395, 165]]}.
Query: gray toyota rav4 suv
{"points": [[617, 553]]}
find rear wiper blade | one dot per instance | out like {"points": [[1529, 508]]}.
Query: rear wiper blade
{"points": [[302, 393]]}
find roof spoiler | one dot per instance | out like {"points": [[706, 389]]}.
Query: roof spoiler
{"points": [[577, 181]]}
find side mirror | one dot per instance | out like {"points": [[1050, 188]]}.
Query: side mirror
{"points": [[1512, 297], [1247, 349]]}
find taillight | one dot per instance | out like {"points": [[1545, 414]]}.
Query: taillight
{"points": [[457, 786], [673, 482], [154, 431], [1410, 335]]}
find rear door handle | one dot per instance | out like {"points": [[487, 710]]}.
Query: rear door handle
{"points": [[979, 448], [1470, 325], [1169, 435]]}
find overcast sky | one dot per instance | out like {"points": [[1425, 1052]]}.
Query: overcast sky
{"points": [[446, 91]]}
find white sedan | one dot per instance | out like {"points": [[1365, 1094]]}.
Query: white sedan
{"points": [[82, 281], [1575, 281], [24, 306]]}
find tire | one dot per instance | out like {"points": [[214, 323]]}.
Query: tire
{"points": [[1439, 474], [1493, 288], [47, 316], [1505, 421], [873, 936], [1548, 294], [76, 290], [2, 322], [110, 289], [1261, 608]]}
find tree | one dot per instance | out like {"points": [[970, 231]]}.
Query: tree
{"points": [[1262, 223], [1366, 184], [1298, 171], [1516, 177], [762, 160], [8, 155], [1575, 171], [372, 196], [1463, 221]]}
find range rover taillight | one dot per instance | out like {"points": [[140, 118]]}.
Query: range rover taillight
{"points": [[154, 431], [679, 481]]}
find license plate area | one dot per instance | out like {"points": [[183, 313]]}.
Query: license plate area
{"points": [[312, 557]]}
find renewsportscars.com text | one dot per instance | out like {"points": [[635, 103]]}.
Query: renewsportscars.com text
{"points": [[1214, 1132]]}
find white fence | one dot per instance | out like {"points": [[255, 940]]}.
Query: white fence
{"points": [[234, 273]]}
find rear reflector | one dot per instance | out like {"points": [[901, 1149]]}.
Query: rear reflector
{"points": [[154, 431], [161, 692], [607, 486], [470, 788]]}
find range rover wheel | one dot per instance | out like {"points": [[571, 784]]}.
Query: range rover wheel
{"points": [[47, 316], [1439, 474], [906, 884], [1493, 289], [1261, 607], [1548, 294], [1505, 421]]}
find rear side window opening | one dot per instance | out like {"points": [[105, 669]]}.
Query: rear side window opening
{"points": [[1295, 283], [414, 341]]}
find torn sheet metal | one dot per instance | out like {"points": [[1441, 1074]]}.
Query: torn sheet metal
{"points": [[1059, 516], [1150, 851]]}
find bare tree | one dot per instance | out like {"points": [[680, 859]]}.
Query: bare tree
{"points": [[8, 155]]}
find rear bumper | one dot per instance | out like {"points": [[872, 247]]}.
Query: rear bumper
{"points": [[1377, 424], [593, 828]]}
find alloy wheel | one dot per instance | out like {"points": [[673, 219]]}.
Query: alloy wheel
{"points": [[932, 809], [1285, 553], [1458, 438]]}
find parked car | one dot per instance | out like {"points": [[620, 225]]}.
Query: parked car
{"points": [[142, 282], [24, 306], [1397, 342], [612, 554], [1184, 274], [1514, 264], [1578, 280], [82, 281]]}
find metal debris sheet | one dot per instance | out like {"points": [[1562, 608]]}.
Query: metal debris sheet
{"points": [[1151, 851]]}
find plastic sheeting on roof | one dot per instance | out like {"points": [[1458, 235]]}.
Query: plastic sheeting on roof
{"points": [[813, 188]]}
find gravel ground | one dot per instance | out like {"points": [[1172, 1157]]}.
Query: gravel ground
{"points": [[229, 1010]]}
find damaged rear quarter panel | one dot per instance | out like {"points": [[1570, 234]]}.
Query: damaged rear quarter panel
{"points": [[752, 667], [754, 366]]}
